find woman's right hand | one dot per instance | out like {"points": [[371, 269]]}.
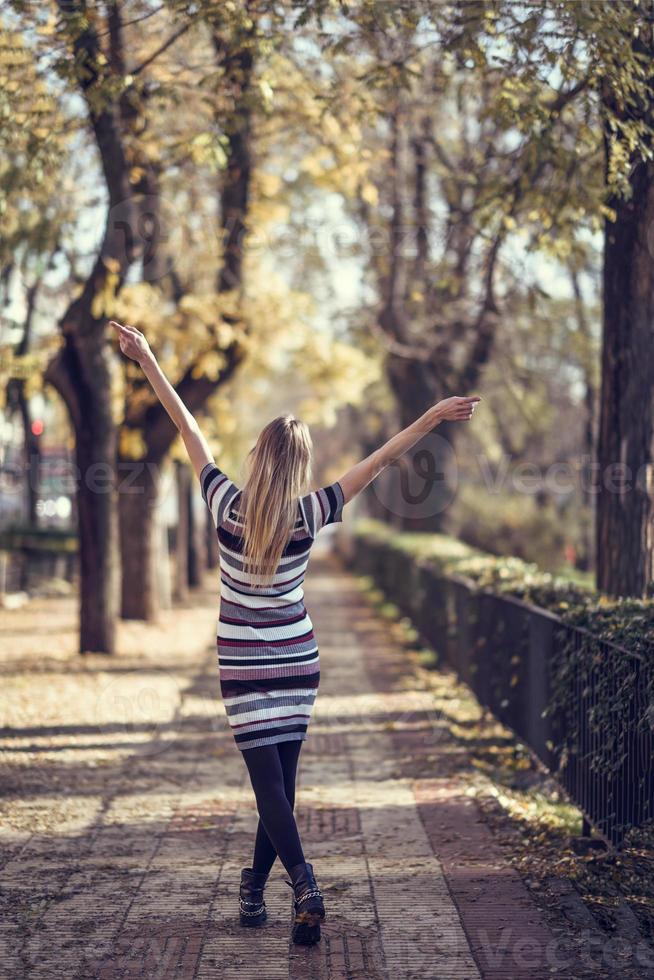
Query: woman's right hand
{"points": [[133, 343], [456, 409]]}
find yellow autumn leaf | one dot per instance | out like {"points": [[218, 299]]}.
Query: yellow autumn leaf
{"points": [[209, 365], [269, 184], [370, 194], [104, 299]]}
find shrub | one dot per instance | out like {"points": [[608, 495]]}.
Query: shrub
{"points": [[627, 622]]}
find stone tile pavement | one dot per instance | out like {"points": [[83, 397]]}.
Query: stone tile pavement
{"points": [[127, 814]]}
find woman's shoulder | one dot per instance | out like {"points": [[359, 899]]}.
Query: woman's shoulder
{"points": [[323, 506]]}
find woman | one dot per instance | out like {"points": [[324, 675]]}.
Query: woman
{"points": [[267, 653]]}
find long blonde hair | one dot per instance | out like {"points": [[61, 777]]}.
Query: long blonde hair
{"points": [[279, 470]]}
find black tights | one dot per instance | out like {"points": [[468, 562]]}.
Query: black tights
{"points": [[272, 771]]}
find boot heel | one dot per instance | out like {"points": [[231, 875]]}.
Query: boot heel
{"points": [[308, 906], [306, 933], [306, 936]]}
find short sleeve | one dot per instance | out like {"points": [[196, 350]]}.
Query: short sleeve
{"points": [[322, 507], [217, 491]]}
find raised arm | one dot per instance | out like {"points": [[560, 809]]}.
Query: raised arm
{"points": [[455, 409], [133, 344]]}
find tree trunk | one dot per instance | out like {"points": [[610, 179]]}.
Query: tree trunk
{"points": [[197, 553], [81, 371], [586, 560], [625, 506], [159, 431], [98, 556], [427, 475], [182, 479], [32, 444], [162, 561], [421, 366], [137, 498]]}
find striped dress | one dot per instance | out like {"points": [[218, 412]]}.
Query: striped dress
{"points": [[267, 653]]}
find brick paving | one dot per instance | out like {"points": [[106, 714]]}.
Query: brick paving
{"points": [[127, 815]]}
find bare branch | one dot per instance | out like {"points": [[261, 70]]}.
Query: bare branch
{"points": [[163, 47]]}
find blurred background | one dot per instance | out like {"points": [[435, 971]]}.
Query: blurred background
{"points": [[346, 211]]}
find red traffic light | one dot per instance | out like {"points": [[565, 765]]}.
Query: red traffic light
{"points": [[37, 427]]}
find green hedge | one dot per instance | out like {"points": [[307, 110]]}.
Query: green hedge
{"points": [[627, 622]]}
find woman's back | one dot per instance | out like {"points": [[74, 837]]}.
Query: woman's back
{"points": [[314, 511], [267, 652]]}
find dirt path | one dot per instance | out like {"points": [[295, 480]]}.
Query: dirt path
{"points": [[127, 816]]}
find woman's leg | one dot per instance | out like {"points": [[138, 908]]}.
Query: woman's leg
{"points": [[275, 811], [264, 851]]}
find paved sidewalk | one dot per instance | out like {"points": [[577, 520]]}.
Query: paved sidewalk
{"points": [[127, 815]]}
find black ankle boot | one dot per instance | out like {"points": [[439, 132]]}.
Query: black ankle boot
{"points": [[308, 905], [251, 904]]}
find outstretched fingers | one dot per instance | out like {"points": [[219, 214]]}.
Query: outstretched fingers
{"points": [[125, 327], [128, 340], [467, 407]]}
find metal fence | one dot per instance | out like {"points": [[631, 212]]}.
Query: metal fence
{"points": [[588, 718]]}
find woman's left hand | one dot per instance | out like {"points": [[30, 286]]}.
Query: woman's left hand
{"points": [[132, 343]]}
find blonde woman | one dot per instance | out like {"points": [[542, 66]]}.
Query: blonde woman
{"points": [[267, 652]]}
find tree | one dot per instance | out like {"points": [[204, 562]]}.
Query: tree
{"points": [[606, 52], [458, 177], [135, 67], [221, 350], [82, 370], [33, 146], [561, 76], [625, 510]]}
